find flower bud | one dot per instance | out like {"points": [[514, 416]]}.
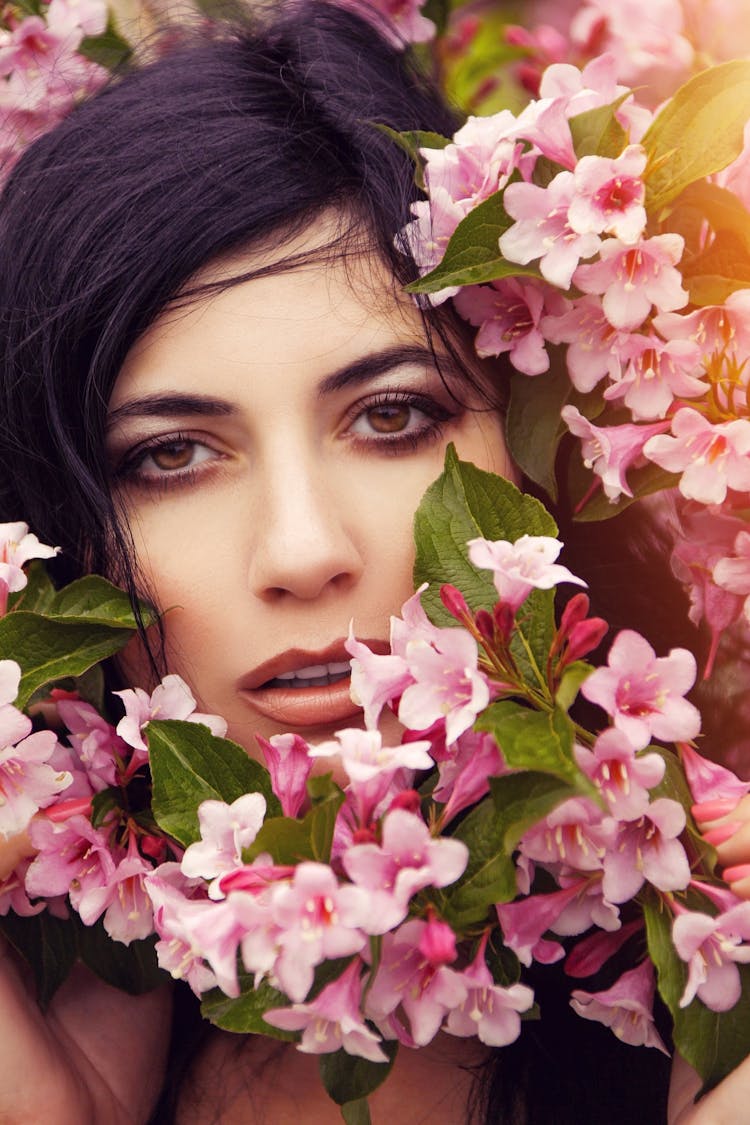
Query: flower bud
{"points": [[407, 799], [455, 602], [438, 943], [584, 638], [485, 625]]}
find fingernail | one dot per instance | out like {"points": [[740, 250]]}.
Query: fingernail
{"points": [[712, 810], [734, 874], [718, 835]]}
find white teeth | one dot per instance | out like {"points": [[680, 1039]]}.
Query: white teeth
{"points": [[314, 675]]}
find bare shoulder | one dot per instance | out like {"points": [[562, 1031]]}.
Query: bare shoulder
{"points": [[247, 1080]]}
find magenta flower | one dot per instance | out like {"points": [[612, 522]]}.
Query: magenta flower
{"points": [[97, 745], [592, 952], [623, 779], [711, 457], [405, 979], [626, 1007], [644, 693], [332, 1020], [518, 568], [609, 194], [525, 921], [465, 774], [448, 685], [647, 850], [317, 920], [542, 231], [225, 831], [489, 1011], [507, 313], [407, 860], [289, 764], [712, 947], [632, 278]]}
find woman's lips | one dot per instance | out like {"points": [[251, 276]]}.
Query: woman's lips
{"points": [[320, 704]]}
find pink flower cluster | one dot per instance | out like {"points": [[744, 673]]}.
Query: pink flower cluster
{"points": [[42, 74]]}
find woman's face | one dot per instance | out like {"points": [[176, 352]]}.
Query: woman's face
{"points": [[270, 444]]}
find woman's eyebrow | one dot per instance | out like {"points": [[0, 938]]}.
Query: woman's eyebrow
{"points": [[380, 363], [167, 405]]}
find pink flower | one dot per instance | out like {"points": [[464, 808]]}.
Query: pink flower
{"points": [[715, 328], [406, 979], [623, 779], [626, 1007], [732, 572], [448, 685], [98, 747], [172, 699], [10, 680], [655, 374], [87, 17], [609, 195], [317, 921], [708, 780], [609, 451], [332, 1020], [27, 781], [225, 831], [712, 947], [575, 835], [507, 313], [632, 278], [644, 693], [525, 921], [542, 231], [122, 900], [711, 457], [647, 849], [399, 21], [465, 774], [489, 1011], [407, 860], [289, 764], [593, 344], [73, 858], [518, 568], [17, 547], [172, 903]]}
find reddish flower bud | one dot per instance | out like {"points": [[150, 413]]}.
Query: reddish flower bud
{"points": [[408, 799], [504, 618], [584, 637], [437, 943], [154, 846], [74, 806], [575, 611], [485, 625], [454, 602], [364, 836]]}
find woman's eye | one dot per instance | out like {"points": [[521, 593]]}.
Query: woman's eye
{"points": [[389, 419], [394, 419], [165, 458]]}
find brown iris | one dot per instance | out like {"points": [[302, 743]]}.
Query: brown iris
{"points": [[389, 419], [175, 455]]}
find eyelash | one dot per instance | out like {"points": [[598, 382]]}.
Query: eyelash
{"points": [[435, 416]]}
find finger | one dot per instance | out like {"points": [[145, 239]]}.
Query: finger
{"points": [[734, 851], [725, 1105], [12, 851]]}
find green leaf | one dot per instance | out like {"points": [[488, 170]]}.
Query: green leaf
{"points": [[502, 961], [698, 132], [244, 1013], [533, 740], [48, 944], [356, 1113], [472, 254], [109, 49], [131, 968], [533, 425], [466, 503], [287, 840], [705, 202], [190, 765], [523, 799], [713, 1043], [38, 593], [322, 822], [50, 649], [102, 804], [490, 876], [93, 600], [349, 1078], [570, 685], [597, 132], [411, 141], [722, 269]]}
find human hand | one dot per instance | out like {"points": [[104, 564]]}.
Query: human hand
{"points": [[96, 1055], [725, 1105], [726, 825]]}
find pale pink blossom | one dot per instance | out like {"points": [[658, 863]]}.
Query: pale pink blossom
{"points": [[626, 1007], [647, 850], [542, 231], [715, 328], [173, 899], [593, 344], [656, 372], [27, 781], [645, 41], [507, 313], [525, 921], [85, 17], [609, 451], [708, 780], [623, 779], [489, 1011], [73, 858], [97, 745], [10, 681], [122, 900], [17, 547], [406, 980], [732, 572], [575, 834], [712, 457], [408, 859], [519, 567], [589, 907], [172, 699], [712, 947], [332, 1020], [289, 764], [464, 775], [609, 195], [447, 684], [644, 693], [318, 920], [225, 831], [633, 277], [594, 86]]}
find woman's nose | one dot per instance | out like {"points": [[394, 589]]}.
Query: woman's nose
{"points": [[304, 540]]}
